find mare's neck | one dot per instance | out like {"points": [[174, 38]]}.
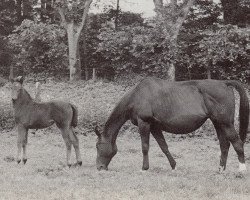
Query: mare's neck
{"points": [[114, 123]]}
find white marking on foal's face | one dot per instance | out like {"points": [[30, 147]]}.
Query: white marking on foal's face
{"points": [[242, 167]]}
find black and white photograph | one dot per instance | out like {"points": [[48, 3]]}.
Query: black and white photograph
{"points": [[124, 100]]}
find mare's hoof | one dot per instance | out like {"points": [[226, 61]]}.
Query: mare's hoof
{"points": [[18, 161], [221, 169], [145, 168], [79, 163], [240, 175], [24, 160], [173, 166]]}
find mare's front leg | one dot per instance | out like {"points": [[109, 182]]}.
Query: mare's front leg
{"points": [[159, 137], [22, 140], [144, 130]]}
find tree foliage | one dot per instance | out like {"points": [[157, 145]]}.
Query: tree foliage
{"points": [[39, 47], [138, 45]]}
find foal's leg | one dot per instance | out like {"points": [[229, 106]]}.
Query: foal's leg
{"points": [[66, 138], [75, 141], [224, 146], [144, 130], [159, 137], [233, 137], [22, 140]]}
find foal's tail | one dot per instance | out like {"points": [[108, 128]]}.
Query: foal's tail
{"points": [[75, 116], [244, 108]]}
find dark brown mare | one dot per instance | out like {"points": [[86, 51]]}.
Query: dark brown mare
{"points": [[30, 114], [156, 105]]}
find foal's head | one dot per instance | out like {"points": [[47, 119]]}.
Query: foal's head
{"points": [[105, 151], [16, 86]]}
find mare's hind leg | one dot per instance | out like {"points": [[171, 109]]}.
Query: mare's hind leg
{"points": [[224, 146], [75, 141], [22, 140], [159, 137], [66, 138], [144, 130], [233, 137]]}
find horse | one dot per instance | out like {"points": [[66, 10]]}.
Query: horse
{"points": [[156, 105], [30, 114]]}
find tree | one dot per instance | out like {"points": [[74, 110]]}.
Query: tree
{"points": [[236, 12], [46, 12], [73, 14], [24, 10], [230, 11], [39, 48], [170, 19], [8, 18]]}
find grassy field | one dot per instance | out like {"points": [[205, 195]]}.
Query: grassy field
{"points": [[45, 175]]}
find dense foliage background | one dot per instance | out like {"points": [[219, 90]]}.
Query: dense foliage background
{"points": [[207, 46]]}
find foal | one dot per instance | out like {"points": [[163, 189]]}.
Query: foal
{"points": [[30, 114]]}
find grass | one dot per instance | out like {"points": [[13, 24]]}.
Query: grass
{"points": [[46, 176]]}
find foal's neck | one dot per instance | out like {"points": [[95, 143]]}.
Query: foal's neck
{"points": [[23, 99]]}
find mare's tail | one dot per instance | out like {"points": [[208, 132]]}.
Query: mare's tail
{"points": [[75, 116], [244, 108]]}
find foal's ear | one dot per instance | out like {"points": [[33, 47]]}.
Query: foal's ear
{"points": [[20, 79], [11, 79], [97, 132]]}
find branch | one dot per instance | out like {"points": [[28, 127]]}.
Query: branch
{"points": [[84, 15], [158, 6], [63, 18], [186, 7], [184, 12]]}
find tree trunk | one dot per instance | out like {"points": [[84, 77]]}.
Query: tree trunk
{"points": [[27, 9], [117, 14], [94, 74], [74, 55], [49, 10], [208, 73], [19, 11], [84, 47], [171, 19], [43, 10], [73, 32]]}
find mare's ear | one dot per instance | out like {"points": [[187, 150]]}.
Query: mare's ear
{"points": [[20, 79], [97, 132]]}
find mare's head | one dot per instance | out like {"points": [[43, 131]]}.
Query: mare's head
{"points": [[105, 151], [16, 86]]}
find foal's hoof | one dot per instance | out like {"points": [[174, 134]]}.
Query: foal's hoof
{"points": [[69, 165], [79, 163], [18, 161], [145, 168], [24, 160]]}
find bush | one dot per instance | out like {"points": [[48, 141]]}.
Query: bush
{"points": [[39, 47]]}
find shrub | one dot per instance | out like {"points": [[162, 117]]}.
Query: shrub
{"points": [[39, 47]]}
